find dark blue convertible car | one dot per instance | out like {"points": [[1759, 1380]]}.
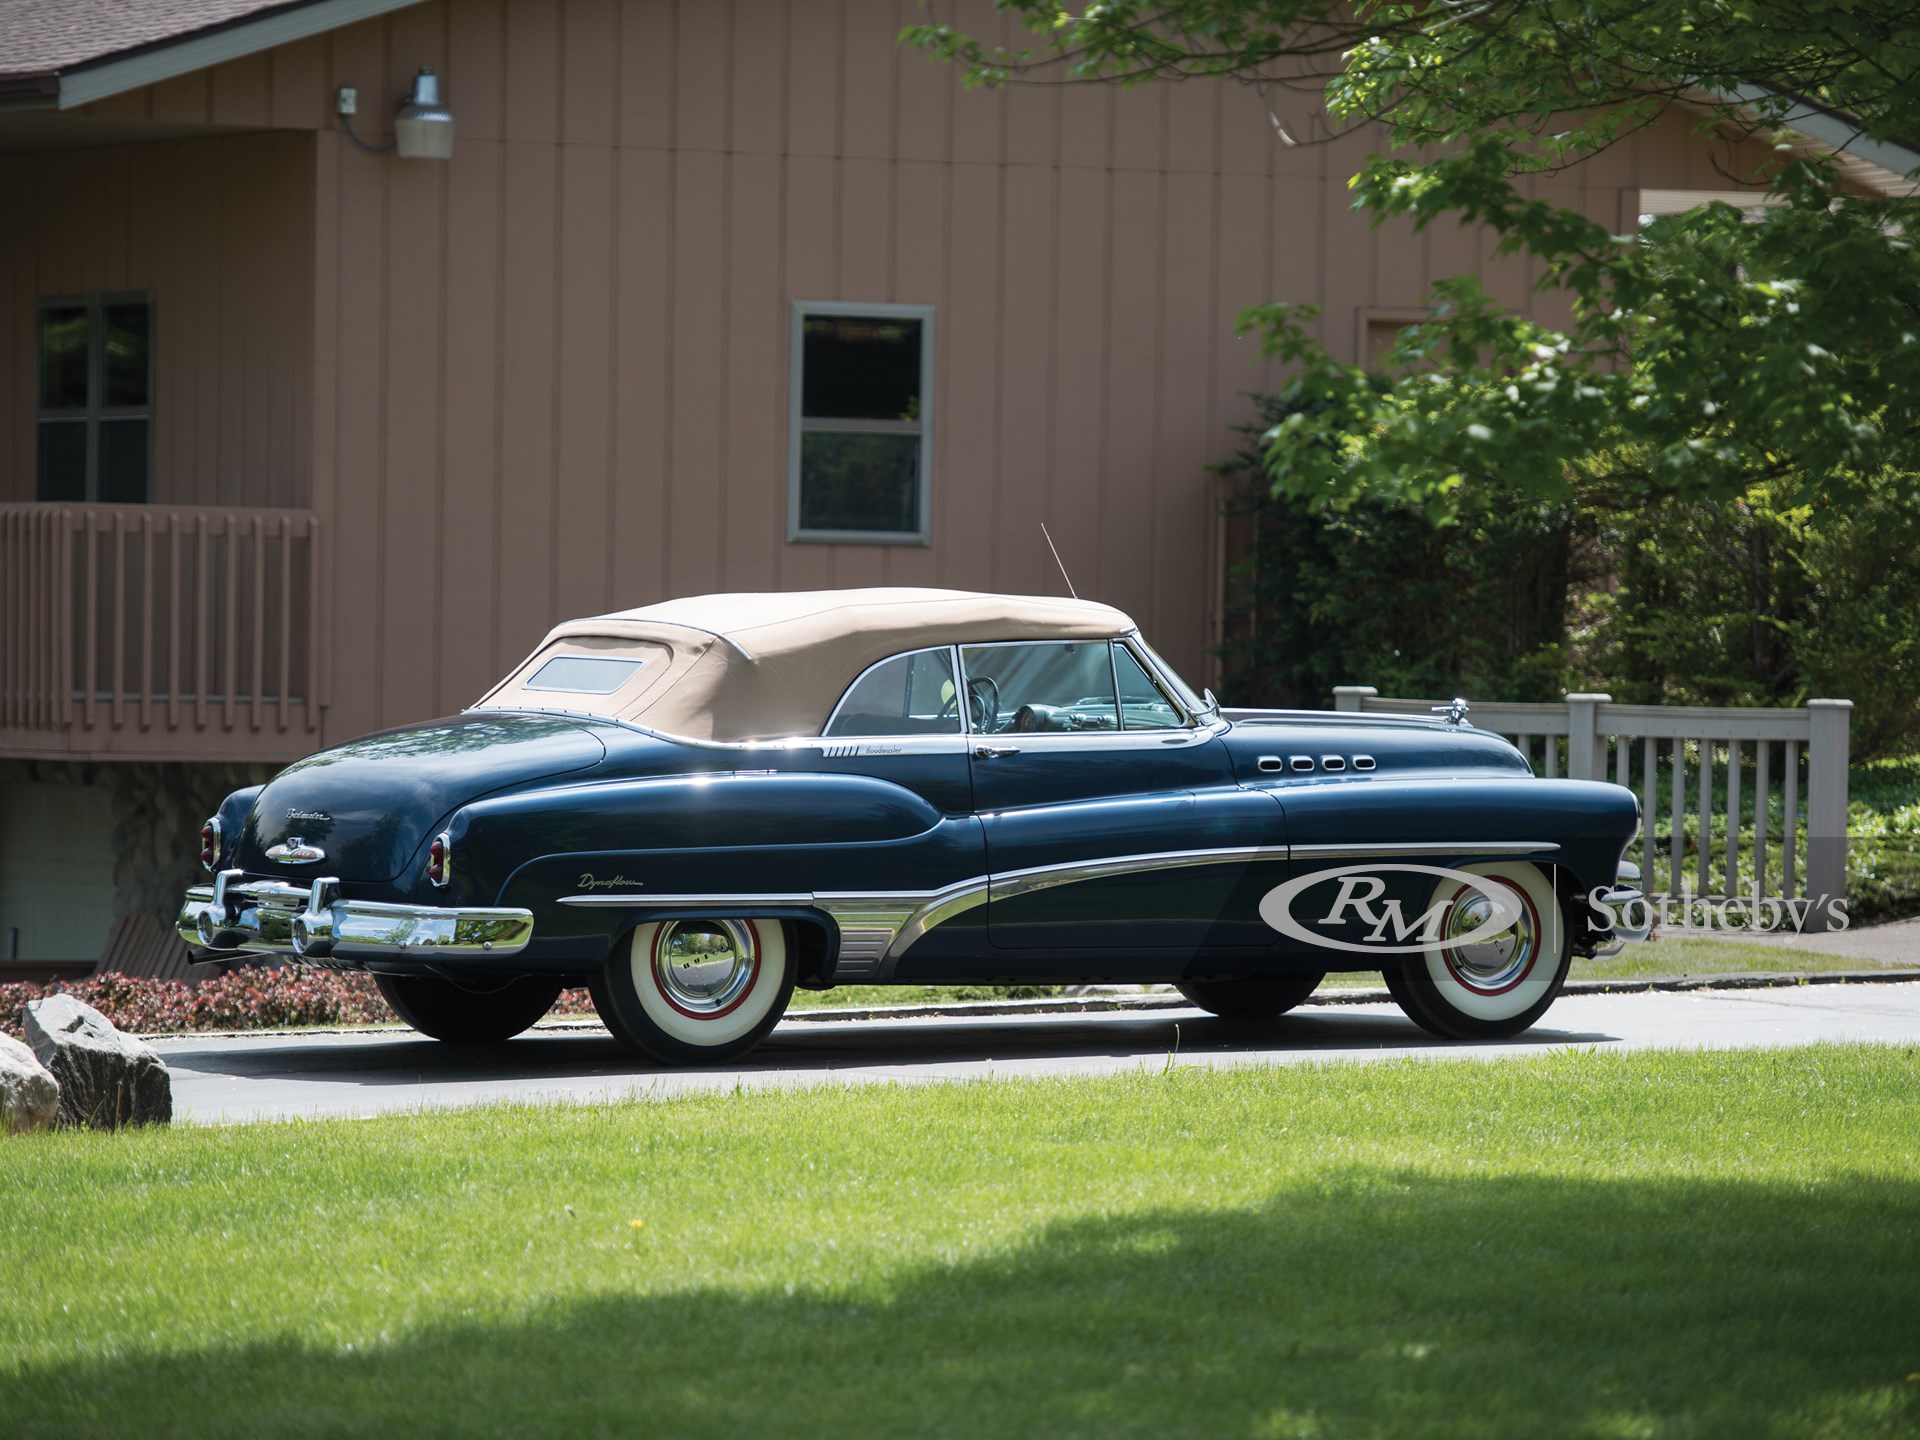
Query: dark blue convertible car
{"points": [[695, 806]]}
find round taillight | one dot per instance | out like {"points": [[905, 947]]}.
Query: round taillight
{"points": [[210, 844], [438, 854]]}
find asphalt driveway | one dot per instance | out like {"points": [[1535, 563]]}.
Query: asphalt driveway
{"points": [[221, 1078]]}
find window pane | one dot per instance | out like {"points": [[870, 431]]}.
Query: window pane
{"points": [[907, 695], [63, 358], [859, 482], [63, 460], [1182, 691], [1041, 687], [857, 367], [123, 462], [128, 340], [1142, 706], [582, 674]]}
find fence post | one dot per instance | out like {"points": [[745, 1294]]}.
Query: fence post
{"points": [[1584, 760], [1353, 697], [1827, 726]]}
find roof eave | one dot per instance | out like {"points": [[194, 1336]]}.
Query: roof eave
{"points": [[200, 50], [1881, 165]]}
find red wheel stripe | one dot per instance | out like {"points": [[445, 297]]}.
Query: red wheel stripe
{"points": [[653, 974], [1533, 960]]}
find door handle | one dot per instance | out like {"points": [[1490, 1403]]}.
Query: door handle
{"points": [[994, 752]]}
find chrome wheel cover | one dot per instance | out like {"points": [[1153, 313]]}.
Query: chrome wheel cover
{"points": [[1499, 962], [704, 968]]}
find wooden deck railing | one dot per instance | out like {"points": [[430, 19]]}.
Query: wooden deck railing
{"points": [[1687, 764], [170, 621]]}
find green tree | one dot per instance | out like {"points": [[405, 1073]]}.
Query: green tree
{"points": [[1718, 348]]}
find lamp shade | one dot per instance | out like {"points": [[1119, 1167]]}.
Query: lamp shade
{"points": [[423, 130]]}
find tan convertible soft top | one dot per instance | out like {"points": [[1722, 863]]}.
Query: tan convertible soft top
{"points": [[767, 666]]}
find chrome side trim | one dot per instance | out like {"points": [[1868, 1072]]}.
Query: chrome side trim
{"points": [[877, 927], [628, 902], [874, 927], [1422, 847], [1048, 877]]}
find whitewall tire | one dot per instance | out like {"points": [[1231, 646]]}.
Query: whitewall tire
{"points": [[693, 991], [1489, 988]]}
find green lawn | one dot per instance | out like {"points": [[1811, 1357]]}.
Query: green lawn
{"points": [[1658, 959], [1593, 1245], [1647, 960]]}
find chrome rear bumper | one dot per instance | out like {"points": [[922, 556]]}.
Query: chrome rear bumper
{"points": [[312, 923]]}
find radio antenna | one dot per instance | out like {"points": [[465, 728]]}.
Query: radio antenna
{"points": [[1058, 561]]}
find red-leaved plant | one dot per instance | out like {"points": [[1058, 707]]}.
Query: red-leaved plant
{"points": [[239, 1000]]}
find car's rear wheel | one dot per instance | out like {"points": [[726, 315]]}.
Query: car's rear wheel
{"points": [[474, 1013], [1250, 999], [1493, 987], [688, 992]]}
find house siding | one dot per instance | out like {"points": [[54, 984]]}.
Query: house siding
{"points": [[221, 231], [549, 378]]}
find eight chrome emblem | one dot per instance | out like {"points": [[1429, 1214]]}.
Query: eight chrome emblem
{"points": [[295, 851]]}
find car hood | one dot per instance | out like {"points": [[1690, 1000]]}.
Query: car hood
{"points": [[370, 804]]}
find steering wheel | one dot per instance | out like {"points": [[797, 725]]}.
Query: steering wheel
{"points": [[983, 702]]}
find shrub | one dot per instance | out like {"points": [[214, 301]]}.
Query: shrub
{"points": [[1757, 604], [1768, 600], [251, 999], [1378, 594]]}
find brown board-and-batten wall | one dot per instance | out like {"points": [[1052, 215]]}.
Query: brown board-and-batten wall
{"points": [[220, 231], [550, 377]]}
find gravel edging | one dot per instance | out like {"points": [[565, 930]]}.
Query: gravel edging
{"points": [[1104, 1004]]}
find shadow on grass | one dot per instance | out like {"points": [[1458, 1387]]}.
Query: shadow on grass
{"points": [[1368, 1303]]}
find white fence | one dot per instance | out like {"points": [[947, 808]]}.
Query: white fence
{"points": [[1688, 764]]}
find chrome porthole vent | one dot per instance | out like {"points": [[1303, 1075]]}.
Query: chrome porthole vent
{"points": [[1363, 762]]}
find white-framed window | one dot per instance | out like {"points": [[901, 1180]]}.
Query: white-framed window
{"points": [[860, 423], [93, 398], [1655, 203]]}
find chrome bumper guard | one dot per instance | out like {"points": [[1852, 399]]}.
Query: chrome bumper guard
{"points": [[312, 923], [1625, 892]]}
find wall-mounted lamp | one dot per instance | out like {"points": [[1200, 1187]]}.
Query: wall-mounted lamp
{"points": [[423, 130]]}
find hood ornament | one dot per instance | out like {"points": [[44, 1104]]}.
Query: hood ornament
{"points": [[1454, 712], [295, 851]]}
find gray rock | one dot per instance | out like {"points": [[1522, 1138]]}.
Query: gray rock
{"points": [[29, 1096], [107, 1079]]}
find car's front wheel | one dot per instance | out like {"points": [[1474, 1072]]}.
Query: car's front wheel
{"points": [[1488, 986], [687, 992], [1250, 999], [479, 1013]]}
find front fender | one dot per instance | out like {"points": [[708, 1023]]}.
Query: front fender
{"points": [[1583, 826]]}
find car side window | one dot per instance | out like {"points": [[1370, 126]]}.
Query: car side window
{"points": [[1143, 706], [911, 694], [1060, 687]]}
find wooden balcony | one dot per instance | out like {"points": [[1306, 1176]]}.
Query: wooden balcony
{"points": [[160, 632]]}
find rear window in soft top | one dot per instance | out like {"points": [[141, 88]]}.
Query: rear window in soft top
{"points": [[582, 674]]}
